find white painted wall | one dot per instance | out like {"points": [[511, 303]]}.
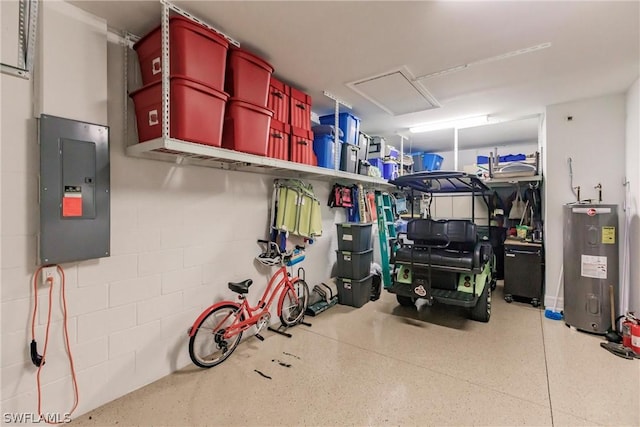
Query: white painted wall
{"points": [[178, 235], [633, 175], [595, 140]]}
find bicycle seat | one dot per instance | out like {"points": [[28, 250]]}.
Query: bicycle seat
{"points": [[241, 287]]}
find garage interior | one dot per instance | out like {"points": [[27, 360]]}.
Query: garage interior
{"points": [[557, 82]]}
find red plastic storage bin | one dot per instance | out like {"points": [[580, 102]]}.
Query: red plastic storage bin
{"points": [[247, 77], [197, 111], [302, 146], [279, 98], [246, 127], [196, 53], [300, 109], [279, 135]]}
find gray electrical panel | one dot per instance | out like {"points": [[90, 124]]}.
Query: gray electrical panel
{"points": [[74, 190], [590, 265]]}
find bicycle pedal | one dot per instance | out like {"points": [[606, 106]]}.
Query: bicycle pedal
{"points": [[260, 337]]}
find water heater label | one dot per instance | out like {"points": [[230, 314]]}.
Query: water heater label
{"points": [[594, 266], [591, 211], [609, 235]]}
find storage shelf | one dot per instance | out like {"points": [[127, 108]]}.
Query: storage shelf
{"points": [[188, 153], [504, 182]]}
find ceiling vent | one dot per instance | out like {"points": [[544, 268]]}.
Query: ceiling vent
{"points": [[396, 92]]}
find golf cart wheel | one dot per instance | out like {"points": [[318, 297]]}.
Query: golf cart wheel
{"points": [[508, 298], [494, 284], [482, 311], [535, 302], [406, 301]]}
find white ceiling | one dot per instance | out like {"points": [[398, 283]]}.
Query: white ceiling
{"points": [[318, 46]]}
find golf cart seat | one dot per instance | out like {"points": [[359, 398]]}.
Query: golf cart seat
{"points": [[446, 245]]}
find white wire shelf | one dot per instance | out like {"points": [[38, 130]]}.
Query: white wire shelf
{"points": [[511, 180], [189, 153]]}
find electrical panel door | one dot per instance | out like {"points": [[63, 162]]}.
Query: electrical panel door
{"points": [[74, 190]]}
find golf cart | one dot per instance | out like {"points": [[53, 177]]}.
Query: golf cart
{"points": [[443, 260]]}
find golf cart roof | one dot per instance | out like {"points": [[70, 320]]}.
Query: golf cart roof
{"points": [[442, 182]]}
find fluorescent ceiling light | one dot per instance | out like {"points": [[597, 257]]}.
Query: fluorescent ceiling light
{"points": [[467, 122]]}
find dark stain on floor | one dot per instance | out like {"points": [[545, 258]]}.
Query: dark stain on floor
{"points": [[281, 363], [266, 376]]}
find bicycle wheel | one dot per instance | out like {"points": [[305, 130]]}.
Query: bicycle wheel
{"points": [[207, 347], [293, 303]]}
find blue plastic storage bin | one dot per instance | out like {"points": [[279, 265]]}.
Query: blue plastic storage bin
{"points": [[483, 160], [324, 148], [389, 170], [431, 162], [377, 163], [326, 130], [348, 123]]}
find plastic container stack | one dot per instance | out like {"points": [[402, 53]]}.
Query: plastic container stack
{"points": [[291, 115], [247, 120], [324, 145], [349, 151], [280, 133], [202, 67], [364, 141], [348, 123], [355, 255], [301, 134], [197, 72]]}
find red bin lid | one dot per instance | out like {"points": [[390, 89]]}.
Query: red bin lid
{"points": [[280, 126], [251, 57], [185, 22], [278, 85], [301, 133], [244, 104]]}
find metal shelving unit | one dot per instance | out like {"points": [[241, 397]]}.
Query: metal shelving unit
{"points": [[189, 153], [506, 182]]}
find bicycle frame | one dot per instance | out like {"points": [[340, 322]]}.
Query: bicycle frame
{"points": [[251, 314]]}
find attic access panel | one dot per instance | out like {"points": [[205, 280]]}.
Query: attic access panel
{"points": [[396, 92]]}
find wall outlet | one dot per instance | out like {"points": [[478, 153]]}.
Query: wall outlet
{"points": [[48, 273]]}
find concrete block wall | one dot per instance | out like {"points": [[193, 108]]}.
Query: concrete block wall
{"points": [[178, 235]]}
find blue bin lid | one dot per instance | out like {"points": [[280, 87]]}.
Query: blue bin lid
{"points": [[326, 130], [345, 114]]}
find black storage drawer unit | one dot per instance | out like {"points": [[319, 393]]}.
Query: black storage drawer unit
{"points": [[523, 271]]}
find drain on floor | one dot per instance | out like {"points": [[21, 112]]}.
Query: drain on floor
{"points": [[281, 363], [266, 376]]}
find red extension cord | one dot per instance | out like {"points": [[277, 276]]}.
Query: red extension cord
{"points": [[50, 282]]}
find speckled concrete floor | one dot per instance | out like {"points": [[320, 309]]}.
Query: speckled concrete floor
{"points": [[389, 365]]}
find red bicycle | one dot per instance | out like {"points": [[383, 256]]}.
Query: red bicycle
{"points": [[217, 331]]}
